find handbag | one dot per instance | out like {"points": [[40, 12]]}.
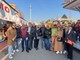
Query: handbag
{"points": [[70, 42], [59, 39]]}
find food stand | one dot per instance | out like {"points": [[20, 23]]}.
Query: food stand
{"points": [[2, 30], [1, 35], [8, 15]]}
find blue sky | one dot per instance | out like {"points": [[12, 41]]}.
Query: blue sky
{"points": [[43, 9]]}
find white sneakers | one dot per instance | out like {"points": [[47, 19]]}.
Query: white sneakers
{"points": [[64, 52], [17, 50], [14, 51], [59, 52], [10, 57], [69, 59]]}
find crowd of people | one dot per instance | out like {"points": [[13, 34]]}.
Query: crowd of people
{"points": [[57, 37]]}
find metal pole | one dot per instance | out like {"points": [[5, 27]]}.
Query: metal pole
{"points": [[30, 13]]}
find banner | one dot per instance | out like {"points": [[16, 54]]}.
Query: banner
{"points": [[7, 13]]}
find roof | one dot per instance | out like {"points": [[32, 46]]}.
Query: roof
{"points": [[64, 16]]}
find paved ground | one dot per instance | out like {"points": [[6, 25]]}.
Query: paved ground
{"points": [[3, 44], [40, 54]]}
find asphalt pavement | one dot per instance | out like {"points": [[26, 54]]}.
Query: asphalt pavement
{"points": [[40, 54]]}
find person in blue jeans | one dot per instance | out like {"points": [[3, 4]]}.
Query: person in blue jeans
{"points": [[24, 37], [50, 43], [47, 36], [17, 40], [46, 44], [42, 42], [42, 31], [11, 36], [24, 40]]}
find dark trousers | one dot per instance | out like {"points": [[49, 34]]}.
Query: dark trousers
{"points": [[36, 43], [26, 43], [79, 38], [64, 43], [70, 51], [65, 47], [30, 42]]}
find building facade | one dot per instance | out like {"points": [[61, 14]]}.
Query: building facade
{"points": [[72, 5]]}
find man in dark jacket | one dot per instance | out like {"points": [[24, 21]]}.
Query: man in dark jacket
{"points": [[47, 38], [42, 31], [32, 34], [18, 37]]}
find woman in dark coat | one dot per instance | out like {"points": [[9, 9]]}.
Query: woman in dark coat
{"points": [[70, 39], [37, 37]]}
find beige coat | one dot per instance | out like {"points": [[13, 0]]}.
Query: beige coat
{"points": [[11, 35], [58, 46]]}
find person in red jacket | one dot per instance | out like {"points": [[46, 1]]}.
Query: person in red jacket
{"points": [[24, 37]]}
